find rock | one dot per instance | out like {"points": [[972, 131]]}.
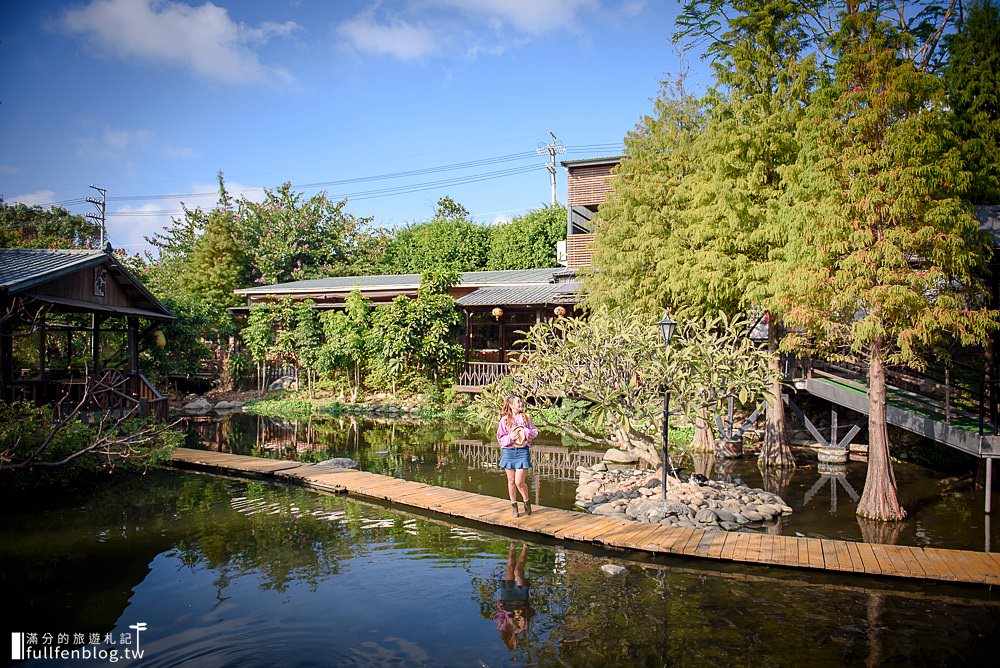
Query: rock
{"points": [[283, 383], [605, 509], [724, 515], [599, 466], [613, 570], [600, 498], [706, 516], [616, 456], [678, 509], [752, 515], [340, 462], [645, 491], [741, 518], [729, 526], [199, 405], [227, 405]]}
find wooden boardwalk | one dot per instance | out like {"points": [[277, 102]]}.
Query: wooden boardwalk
{"points": [[749, 548]]}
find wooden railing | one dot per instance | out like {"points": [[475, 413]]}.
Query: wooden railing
{"points": [[480, 374]]}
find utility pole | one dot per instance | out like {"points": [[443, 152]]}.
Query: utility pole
{"points": [[101, 205], [555, 147]]}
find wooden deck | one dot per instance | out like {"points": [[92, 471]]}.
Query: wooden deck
{"points": [[902, 561]]}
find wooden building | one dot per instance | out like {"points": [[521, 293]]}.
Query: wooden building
{"points": [[588, 184], [71, 323], [495, 305]]}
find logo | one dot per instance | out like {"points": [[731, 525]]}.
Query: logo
{"points": [[87, 646]]}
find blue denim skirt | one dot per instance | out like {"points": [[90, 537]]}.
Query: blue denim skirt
{"points": [[515, 458]]}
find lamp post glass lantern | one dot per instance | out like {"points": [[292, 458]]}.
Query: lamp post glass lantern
{"points": [[667, 326]]}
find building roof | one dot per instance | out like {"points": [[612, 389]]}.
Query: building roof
{"points": [[23, 269], [587, 162], [522, 295], [402, 282]]}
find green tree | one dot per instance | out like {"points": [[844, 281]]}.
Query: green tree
{"points": [[635, 255], [613, 363], [884, 252], [733, 228], [528, 241], [972, 79], [308, 340], [289, 237], [347, 339], [215, 263], [23, 226], [450, 240]]}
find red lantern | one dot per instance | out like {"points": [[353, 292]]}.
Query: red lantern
{"points": [[497, 312], [559, 311]]}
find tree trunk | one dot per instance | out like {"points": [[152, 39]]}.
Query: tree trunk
{"points": [[878, 501], [775, 451], [704, 431]]}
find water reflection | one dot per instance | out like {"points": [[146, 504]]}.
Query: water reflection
{"points": [[513, 605], [234, 572], [942, 512]]}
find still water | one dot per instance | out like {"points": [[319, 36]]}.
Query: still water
{"points": [[226, 572], [945, 509]]}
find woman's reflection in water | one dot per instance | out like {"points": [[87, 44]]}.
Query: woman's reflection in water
{"points": [[513, 608]]}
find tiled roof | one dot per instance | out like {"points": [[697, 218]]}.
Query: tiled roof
{"points": [[406, 281], [522, 295], [21, 268]]}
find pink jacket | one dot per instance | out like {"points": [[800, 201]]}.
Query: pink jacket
{"points": [[504, 435]]}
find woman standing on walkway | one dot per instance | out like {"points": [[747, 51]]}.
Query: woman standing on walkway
{"points": [[515, 434]]}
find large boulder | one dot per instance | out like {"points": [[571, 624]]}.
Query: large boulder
{"points": [[616, 456], [199, 405], [283, 383]]}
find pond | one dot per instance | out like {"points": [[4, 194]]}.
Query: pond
{"points": [[945, 511], [203, 570]]}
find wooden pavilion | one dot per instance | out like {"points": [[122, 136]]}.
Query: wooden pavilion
{"points": [[70, 331]]}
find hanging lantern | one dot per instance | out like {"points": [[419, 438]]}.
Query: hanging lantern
{"points": [[559, 311], [497, 312], [159, 338]]}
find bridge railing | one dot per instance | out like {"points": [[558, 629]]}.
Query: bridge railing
{"points": [[959, 391]]}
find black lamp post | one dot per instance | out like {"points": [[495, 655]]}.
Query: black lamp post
{"points": [[667, 327]]}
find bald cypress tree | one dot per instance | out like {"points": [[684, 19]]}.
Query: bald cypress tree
{"points": [[732, 233], [882, 259], [634, 253]]}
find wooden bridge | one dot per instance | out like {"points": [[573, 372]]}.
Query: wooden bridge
{"points": [[960, 566]]}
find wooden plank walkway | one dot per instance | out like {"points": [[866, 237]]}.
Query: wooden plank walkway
{"points": [[903, 561]]}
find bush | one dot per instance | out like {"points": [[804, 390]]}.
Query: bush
{"points": [[32, 440]]}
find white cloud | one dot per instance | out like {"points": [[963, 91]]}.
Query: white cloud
{"points": [[203, 39], [129, 224], [411, 31], [397, 38], [31, 199], [530, 16], [111, 143]]}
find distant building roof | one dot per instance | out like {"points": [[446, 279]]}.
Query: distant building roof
{"points": [[523, 295], [587, 162], [402, 282]]}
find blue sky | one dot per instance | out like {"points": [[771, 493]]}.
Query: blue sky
{"points": [[150, 98]]}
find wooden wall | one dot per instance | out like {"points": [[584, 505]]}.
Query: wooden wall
{"points": [[588, 184], [579, 250]]}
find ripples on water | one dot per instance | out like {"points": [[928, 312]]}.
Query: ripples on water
{"points": [[229, 572]]}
